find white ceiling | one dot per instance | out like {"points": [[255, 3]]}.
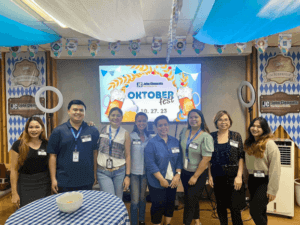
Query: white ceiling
{"points": [[156, 17]]}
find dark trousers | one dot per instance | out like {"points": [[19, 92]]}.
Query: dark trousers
{"points": [[163, 203], [66, 189], [258, 199], [192, 195], [227, 197]]}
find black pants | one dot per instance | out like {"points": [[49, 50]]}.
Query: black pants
{"points": [[258, 199], [227, 197], [192, 195], [163, 203]]}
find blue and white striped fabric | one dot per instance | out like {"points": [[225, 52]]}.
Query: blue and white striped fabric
{"points": [[97, 208]]}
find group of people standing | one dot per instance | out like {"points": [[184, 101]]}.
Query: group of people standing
{"points": [[78, 156]]}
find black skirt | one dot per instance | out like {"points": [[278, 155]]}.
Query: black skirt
{"points": [[33, 186]]}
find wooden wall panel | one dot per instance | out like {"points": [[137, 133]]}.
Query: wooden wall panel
{"points": [[4, 155]]}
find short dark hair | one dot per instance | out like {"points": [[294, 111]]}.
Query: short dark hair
{"points": [[76, 102], [219, 115], [115, 109], [162, 117]]}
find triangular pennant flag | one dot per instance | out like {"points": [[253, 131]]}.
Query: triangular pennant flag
{"points": [[284, 42], [194, 76], [177, 70], [180, 44], [156, 45], [94, 47], [240, 47], [33, 50], [71, 46], [103, 72], [112, 72], [119, 69], [56, 48], [198, 46], [261, 44], [220, 48], [135, 46], [15, 51]]}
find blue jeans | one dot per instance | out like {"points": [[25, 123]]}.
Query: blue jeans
{"points": [[111, 182], [138, 186]]}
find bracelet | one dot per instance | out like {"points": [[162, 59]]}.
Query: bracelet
{"points": [[127, 175]]}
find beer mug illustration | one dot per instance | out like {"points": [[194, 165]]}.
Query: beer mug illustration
{"points": [[186, 100], [116, 99]]}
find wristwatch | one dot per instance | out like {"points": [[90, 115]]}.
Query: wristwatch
{"points": [[127, 175], [178, 173]]}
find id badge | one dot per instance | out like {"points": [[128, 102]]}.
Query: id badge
{"points": [[42, 152], [193, 145], [86, 138], [186, 162], [109, 164], [136, 142], [175, 150], [259, 173], [75, 156], [234, 143], [104, 135]]}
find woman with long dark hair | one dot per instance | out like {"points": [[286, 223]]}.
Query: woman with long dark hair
{"points": [[139, 139], [226, 170], [264, 168], [197, 147], [30, 179]]}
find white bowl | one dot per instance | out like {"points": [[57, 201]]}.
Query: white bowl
{"points": [[69, 202]]}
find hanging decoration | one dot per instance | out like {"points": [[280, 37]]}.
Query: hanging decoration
{"points": [[33, 50], [240, 47], [198, 46], [15, 51], [56, 48], [135, 46], [220, 48], [176, 7], [180, 44], [261, 44], [156, 45], [94, 47], [284, 42], [71, 46], [114, 47]]}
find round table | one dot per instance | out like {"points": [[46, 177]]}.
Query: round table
{"points": [[98, 207]]}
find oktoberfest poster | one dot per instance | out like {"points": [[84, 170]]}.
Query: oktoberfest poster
{"points": [[171, 90]]}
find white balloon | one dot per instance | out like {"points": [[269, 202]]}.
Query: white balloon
{"points": [[250, 104], [39, 105]]}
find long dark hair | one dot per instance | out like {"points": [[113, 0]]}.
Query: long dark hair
{"points": [[258, 147], [135, 129], [25, 138], [203, 125]]}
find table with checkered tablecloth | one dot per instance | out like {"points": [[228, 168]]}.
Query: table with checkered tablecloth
{"points": [[98, 207]]}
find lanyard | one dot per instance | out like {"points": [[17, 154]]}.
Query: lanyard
{"points": [[76, 136], [110, 140], [188, 142]]}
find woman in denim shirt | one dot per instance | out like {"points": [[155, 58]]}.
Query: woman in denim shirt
{"points": [[139, 140], [163, 160]]}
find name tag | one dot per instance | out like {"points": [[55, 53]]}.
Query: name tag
{"points": [[86, 138], [259, 173], [104, 135], [109, 164], [42, 152], [175, 150], [193, 145], [136, 142], [234, 143], [186, 162], [75, 156]]}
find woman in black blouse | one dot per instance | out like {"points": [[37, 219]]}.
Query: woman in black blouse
{"points": [[226, 169], [29, 177]]}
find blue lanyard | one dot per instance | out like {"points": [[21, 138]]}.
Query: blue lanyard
{"points": [[188, 142], [76, 136], [110, 140]]}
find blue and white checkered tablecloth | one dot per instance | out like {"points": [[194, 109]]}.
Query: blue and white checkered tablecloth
{"points": [[97, 208]]}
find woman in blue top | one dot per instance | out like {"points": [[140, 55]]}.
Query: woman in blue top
{"points": [[139, 139], [163, 161]]}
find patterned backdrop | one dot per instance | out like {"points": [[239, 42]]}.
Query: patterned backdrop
{"points": [[16, 124], [291, 121]]}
